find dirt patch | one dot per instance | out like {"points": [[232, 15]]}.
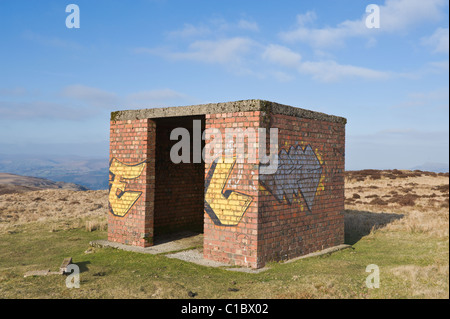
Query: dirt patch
{"points": [[429, 196], [404, 200], [406, 189], [363, 174], [373, 174], [378, 201], [442, 188]]}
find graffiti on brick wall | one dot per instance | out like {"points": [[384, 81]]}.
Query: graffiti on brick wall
{"points": [[299, 171], [225, 207], [121, 200]]}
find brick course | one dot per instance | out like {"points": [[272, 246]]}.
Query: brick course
{"points": [[235, 244], [287, 230], [133, 142]]}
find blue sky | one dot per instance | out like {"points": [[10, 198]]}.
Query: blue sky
{"points": [[58, 85]]}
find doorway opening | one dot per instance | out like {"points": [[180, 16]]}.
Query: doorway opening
{"points": [[179, 188]]}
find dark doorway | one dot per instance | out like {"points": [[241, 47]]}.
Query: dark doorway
{"points": [[179, 188]]}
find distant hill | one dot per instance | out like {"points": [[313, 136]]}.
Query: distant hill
{"points": [[433, 167], [11, 183], [88, 172]]}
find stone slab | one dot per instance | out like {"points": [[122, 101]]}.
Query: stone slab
{"points": [[195, 256], [66, 262], [174, 242], [182, 249], [226, 107], [37, 273]]}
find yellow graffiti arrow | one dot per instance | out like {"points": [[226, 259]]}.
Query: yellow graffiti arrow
{"points": [[225, 207], [120, 200]]}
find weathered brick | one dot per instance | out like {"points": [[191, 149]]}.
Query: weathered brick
{"points": [[248, 219]]}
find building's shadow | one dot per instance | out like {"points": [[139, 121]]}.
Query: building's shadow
{"points": [[169, 237], [83, 266], [360, 223]]}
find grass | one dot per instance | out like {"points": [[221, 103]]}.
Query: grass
{"points": [[412, 265], [410, 244]]}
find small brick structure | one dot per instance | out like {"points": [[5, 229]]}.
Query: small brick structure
{"points": [[247, 218]]}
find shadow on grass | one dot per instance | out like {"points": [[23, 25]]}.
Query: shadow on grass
{"points": [[360, 223], [83, 266], [168, 237]]}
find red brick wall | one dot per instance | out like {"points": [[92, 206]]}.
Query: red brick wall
{"points": [[290, 224], [132, 143], [248, 218], [232, 189]]}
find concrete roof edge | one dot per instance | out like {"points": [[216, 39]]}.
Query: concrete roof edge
{"points": [[225, 107], [277, 108]]}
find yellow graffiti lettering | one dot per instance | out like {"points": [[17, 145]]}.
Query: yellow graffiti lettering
{"points": [[225, 207], [120, 200]]}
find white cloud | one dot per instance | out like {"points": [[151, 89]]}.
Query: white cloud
{"points": [[395, 16], [371, 42], [247, 25], [20, 110], [218, 41], [22, 103], [223, 51], [91, 95], [282, 55], [51, 41], [281, 76], [159, 97], [325, 37], [325, 71], [237, 52], [439, 94], [189, 31], [79, 102], [400, 15], [95, 97], [215, 27], [439, 40], [331, 71], [439, 66], [435, 99], [241, 54], [306, 18], [220, 25]]}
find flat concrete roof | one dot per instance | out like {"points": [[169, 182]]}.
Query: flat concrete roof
{"points": [[227, 107]]}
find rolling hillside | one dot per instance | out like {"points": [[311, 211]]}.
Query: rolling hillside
{"points": [[88, 172], [11, 183]]}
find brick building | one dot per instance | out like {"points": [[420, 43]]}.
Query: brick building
{"points": [[248, 218]]}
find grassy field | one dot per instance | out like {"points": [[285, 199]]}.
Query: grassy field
{"points": [[406, 237]]}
